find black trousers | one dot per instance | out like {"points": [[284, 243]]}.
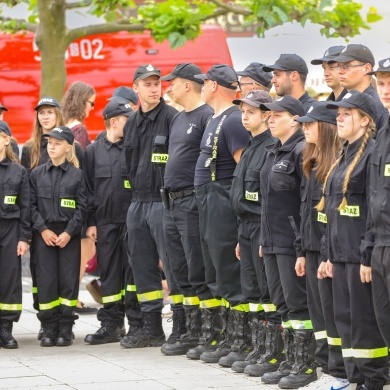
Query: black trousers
{"points": [[364, 351], [10, 271], [182, 238], [253, 277], [320, 304], [112, 255], [146, 245], [287, 290], [218, 230], [57, 272], [380, 263]]}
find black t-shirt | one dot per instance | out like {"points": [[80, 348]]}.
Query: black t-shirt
{"points": [[186, 133], [232, 136]]}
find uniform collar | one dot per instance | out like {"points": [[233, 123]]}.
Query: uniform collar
{"points": [[64, 166], [5, 162], [108, 144], [152, 114], [260, 138], [289, 144], [351, 149]]}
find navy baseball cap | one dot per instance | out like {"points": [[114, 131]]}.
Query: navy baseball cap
{"points": [[289, 62], [285, 103], [383, 67], [356, 99], [125, 93], [62, 133], [223, 75], [329, 55], [255, 71], [4, 128], [356, 52], [116, 108], [255, 98], [184, 71], [318, 113], [3, 107], [145, 71], [47, 101]]}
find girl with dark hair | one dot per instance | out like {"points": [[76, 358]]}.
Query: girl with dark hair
{"points": [[321, 147], [345, 201]]}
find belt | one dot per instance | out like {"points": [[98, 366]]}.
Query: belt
{"points": [[181, 194]]}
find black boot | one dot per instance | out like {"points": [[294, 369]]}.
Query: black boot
{"points": [[178, 325], [372, 384], [50, 334], [285, 367], [188, 340], [6, 339], [40, 334], [258, 342], [224, 346], [212, 328], [65, 334], [152, 334], [242, 341], [104, 335], [304, 368], [134, 332], [273, 356]]}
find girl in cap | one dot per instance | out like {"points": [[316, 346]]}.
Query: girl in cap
{"points": [[58, 208], [345, 201], [14, 235], [280, 180], [321, 147]]}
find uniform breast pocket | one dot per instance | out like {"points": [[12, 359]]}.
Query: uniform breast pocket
{"points": [[252, 185], [44, 198], [68, 198], [11, 193], [355, 199], [282, 176]]}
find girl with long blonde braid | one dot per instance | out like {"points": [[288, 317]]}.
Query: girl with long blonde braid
{"points": [[345, 201]]}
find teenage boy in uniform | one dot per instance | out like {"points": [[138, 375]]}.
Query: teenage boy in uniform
{"points": [[109, 198]]}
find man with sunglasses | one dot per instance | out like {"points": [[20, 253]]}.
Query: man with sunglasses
{"points": [[355, 62], [253, 78]]}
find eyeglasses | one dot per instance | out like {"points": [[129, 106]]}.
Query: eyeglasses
{"points": [[91, 103], [347, 67], [253, 84]]}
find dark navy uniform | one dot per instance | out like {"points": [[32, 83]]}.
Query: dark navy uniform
{"points": [[109, 197], [58, 203], [382, 113], [14, 227], [307, 101], [146, 148], [365, 358], [246, 202]]}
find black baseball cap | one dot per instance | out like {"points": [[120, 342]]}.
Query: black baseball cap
{"points": [[255, 98], [289, 62], [4, 128], [145, 71], [356, 52], [255, 71], [329, 55], [383, 67], [224, 75], [62, 133], [116, 108], [356, 99], [285, 103], [47, 101], [318, 112], [125, 93], [184, 71], [3, 107]]}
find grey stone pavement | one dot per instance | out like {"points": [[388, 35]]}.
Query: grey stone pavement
{"points": [[86, 367]]}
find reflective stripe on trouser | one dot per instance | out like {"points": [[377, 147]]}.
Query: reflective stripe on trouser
{"points": [[57, 296], [315, 309], [146, 246], [10, 271], [287, 290], [210, 303], [362, 344], [112, 255], [182, 238], [218, 229], [191, 301]]}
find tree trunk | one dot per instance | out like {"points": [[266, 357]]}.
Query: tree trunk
{"points": [[51, 39]]}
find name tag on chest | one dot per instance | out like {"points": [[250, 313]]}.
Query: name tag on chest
{"points": [[69, 203], [351, 211]]}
